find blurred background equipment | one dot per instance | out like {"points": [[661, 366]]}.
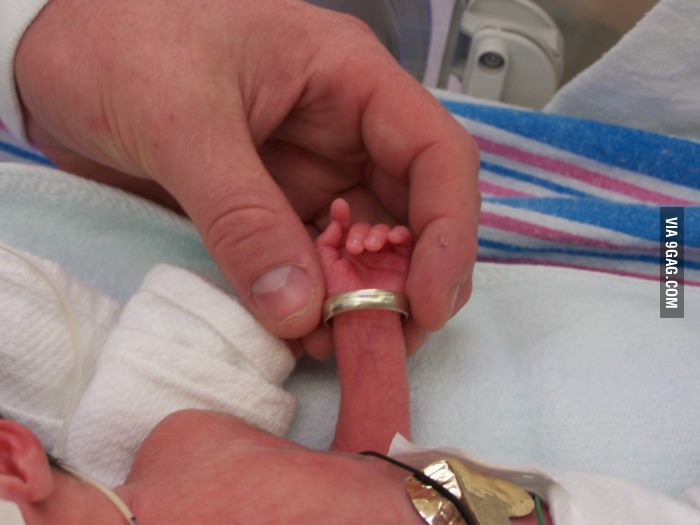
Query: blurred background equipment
{"points": [[518, 52]]}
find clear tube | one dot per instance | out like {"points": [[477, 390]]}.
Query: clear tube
{"points": [[76, 345]]}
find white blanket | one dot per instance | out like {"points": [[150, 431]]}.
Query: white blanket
{"points": [[649, 80], [178, 343], [557, 367]]}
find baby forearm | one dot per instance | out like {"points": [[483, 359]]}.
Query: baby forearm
{"points": [[371, 357]]}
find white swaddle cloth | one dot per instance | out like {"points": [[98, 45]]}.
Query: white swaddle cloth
{"points": [[178, 343], [10, 513], [37, 361], [649, 80]]}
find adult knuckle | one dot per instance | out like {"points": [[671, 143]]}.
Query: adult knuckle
{"points": [[238, 227], [360, 27]]}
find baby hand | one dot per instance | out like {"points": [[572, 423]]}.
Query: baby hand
{"points": [[361, 255]]}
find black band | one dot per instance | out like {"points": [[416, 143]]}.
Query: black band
{"points": [[463, 510]]}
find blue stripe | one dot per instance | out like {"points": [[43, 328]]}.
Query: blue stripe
{"points": [[24, 154], [667, 158], [638, 220], [514, 174], [610, 255]]}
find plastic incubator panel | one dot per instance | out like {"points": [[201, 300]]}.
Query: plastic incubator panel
{"points": [[530, 47], [403, 26]]}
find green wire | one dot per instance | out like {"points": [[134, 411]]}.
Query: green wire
{"points": [[538, 509]]}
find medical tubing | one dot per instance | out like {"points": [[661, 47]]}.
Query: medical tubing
{"points": [[538, 509], [106, 491], [74, 395]]}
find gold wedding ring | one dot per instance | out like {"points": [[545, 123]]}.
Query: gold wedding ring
{"points": [[366, 299]]}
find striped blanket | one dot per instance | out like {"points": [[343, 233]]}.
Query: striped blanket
{"points": [[571, 192], [565, 191]]}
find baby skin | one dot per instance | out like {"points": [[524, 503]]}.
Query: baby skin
{"points": [[369, 344], [207, 467]]}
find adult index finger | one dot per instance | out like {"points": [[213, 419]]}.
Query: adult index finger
{"points": [[409, 135]]}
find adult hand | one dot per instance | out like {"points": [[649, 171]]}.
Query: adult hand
{"points": [[254, 116]]}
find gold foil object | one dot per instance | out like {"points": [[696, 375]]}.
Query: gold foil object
{"points": [[492, 501], [365, 299], [432, 507]]}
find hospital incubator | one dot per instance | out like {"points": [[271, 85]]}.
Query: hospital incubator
{"points": [[518, 52]]}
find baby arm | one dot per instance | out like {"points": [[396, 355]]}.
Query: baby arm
{"points": [[369, 344]]}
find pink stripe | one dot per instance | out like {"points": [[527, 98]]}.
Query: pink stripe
{"points": [[496, 190], [536, 262], [576, 172], [2, 126], [542, 232], [549, 234]]}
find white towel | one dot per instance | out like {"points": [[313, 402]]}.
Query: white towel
{"points": [[180, 343], [649, 80], [37, 361]]}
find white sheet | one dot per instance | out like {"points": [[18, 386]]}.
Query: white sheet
{"points": [[649, 80], [557, 367]]}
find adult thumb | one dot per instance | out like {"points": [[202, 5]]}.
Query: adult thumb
{"points": [[251, 231]]}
